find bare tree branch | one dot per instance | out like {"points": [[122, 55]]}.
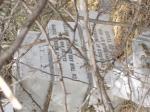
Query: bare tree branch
{"points": [[7, 55]]}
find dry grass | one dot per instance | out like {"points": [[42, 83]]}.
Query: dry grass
{"points": [[129, 106], [125, 12]]}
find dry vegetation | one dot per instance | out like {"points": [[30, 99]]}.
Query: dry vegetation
{"points": [[13, 14], [135, 20]]}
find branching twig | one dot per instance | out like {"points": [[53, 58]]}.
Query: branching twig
{"points": [[7, 55], [29, 94]]}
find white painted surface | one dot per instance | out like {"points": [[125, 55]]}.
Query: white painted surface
{"points": [[8, 108], [38, 57], [119, 81]]}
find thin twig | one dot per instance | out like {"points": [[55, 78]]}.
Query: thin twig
{"points": [[7, 54]]}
